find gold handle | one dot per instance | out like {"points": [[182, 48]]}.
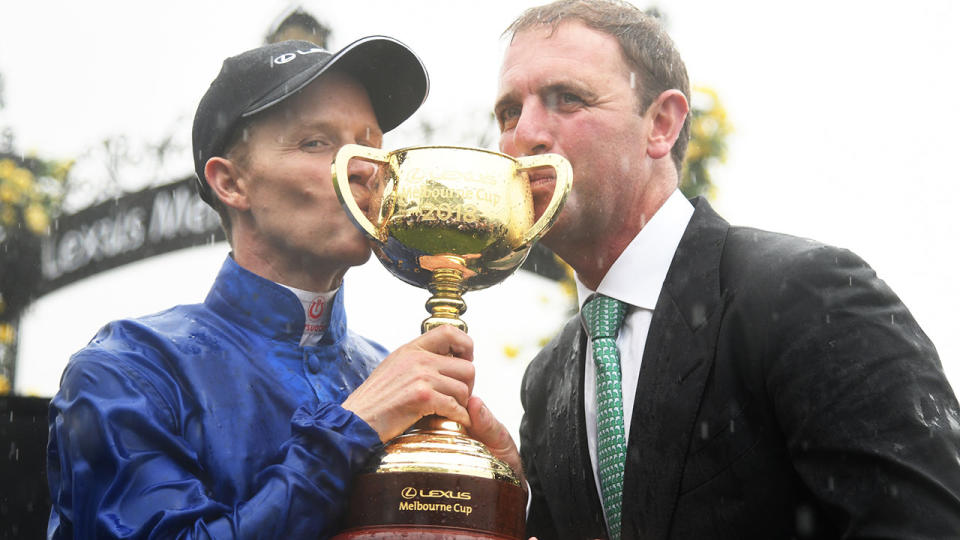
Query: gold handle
{"points": [[341, 183], [564, 174]]}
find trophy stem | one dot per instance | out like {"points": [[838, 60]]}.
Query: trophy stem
{"points": [[446, 305]]}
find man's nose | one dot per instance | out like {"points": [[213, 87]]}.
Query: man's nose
{"points": [[532, 134], [360, 171]]}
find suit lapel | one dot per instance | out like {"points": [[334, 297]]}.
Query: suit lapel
{"points": [[585, 513], [676, 362]]}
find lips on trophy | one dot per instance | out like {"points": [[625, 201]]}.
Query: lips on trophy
{"points": [[450, 220]]}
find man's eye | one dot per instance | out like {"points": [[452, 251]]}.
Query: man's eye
{"points": [[315, 144], [563, 101], [508, 117]]}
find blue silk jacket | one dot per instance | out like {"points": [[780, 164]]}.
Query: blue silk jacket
{"points": [[210, 421]]}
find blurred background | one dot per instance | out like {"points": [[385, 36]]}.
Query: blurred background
{"points": [[831, 120]]}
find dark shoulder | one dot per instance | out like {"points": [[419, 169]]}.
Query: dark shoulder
{"points": [[755, 259], [786, 289], [777, 251], [552, 359]]}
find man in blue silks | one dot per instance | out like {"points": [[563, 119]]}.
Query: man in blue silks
{"points": [[248, 414]]}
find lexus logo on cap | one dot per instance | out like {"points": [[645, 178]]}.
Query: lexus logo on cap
{"points": [[287, 57]]}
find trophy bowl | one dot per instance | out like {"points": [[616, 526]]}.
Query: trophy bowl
{"points": [[448, 219]]}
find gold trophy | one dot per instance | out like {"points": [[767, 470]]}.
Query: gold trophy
{"points": [[450, 220]]}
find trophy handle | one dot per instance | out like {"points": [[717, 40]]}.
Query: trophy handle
{"points": [[562, 187], [341, 183]]}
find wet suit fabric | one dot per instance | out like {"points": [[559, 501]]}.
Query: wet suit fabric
{"points": [[785, 392], [210, 421]]}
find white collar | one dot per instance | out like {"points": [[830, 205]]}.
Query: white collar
{"points": [[637, 275], [316, 313]]}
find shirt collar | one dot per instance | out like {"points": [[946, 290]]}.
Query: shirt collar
{"points": [[265, 307], [316, 313], [637, 275]]}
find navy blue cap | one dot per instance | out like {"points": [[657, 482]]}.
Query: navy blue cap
{"points": [[395, 78]]}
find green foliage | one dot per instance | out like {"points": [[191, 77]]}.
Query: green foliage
{"points": [[31, 194]]}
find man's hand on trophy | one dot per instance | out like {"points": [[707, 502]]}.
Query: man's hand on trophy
{"points": [[485, 428], [432, 374]]}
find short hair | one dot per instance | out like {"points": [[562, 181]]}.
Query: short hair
{"points": [[236, 150], [645, 45]]}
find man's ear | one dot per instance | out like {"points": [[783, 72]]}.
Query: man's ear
{"points": [[227, 182], [667, 114]]}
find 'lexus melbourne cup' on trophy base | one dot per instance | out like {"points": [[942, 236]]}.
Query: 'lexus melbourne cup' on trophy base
{"points": [[450, 220]]}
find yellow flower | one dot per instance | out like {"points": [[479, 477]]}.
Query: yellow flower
{"points": [[511, 351], [8, 216], [6, 167], [705, 127], [7, 333], [8, 194], [37, 219], [61, 169], [694, 150], [22, 179], [719, 113]]}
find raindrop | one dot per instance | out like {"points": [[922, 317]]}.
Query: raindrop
{"points": [[805, 521], [551, 101], [704, 430]]}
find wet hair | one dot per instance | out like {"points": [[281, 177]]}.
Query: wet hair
{"points": [[237, 151], [645, 44]]}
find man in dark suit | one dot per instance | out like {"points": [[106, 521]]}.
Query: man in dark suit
{"points": [[763, 385]]}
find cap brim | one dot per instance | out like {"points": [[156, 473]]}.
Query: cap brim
{"points": [[395, 78]]}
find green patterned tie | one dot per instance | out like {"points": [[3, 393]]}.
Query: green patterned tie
{"points": [[603, 317]]}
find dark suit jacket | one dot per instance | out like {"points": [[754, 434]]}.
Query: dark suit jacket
{"points": [[785, 392]]}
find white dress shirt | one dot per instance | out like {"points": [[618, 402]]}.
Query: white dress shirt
{"points": [[635, 278]]}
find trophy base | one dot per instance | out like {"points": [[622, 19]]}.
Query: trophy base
{"points": [[418, 533], [432, 505]]}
